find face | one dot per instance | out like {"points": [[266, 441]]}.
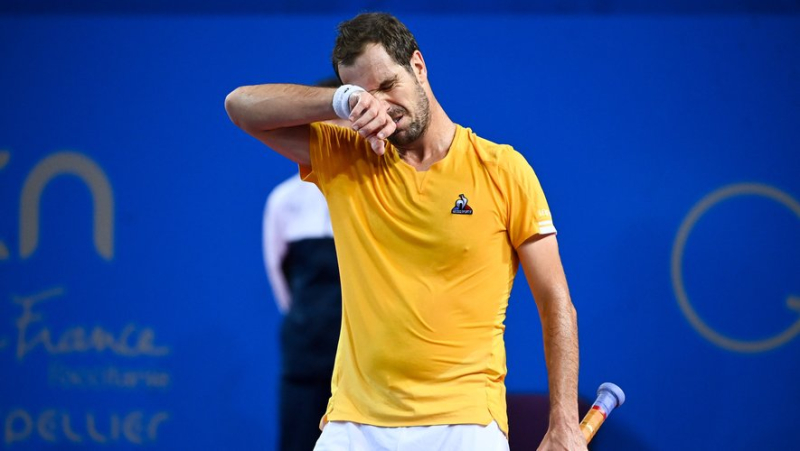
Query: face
{"points": [[375, 71]]}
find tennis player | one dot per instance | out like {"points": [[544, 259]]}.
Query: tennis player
{"points": [[431, 222]]}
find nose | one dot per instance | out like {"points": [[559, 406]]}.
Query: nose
{"points": [[387, 105]]}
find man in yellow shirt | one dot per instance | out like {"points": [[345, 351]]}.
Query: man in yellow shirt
{"points": [[431, 222]]}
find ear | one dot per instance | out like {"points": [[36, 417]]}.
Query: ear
{"points": [[419, 68]]}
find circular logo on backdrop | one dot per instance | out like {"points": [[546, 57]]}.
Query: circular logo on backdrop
{"points": [[792, 302]]}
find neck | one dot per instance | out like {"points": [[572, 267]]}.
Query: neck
{"points": [[434, 144]]}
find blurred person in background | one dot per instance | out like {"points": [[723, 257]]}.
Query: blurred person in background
{"points": [[300, 258]]}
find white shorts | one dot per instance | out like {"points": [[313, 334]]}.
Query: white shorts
{"points": [[346, 436]]}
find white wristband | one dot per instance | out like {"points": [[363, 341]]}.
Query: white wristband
{"points": [[341, 100]]}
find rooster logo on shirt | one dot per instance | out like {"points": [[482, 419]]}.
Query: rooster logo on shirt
{"points": [[461, 207]]}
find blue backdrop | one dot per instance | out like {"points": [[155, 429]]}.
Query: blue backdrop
{"points": [[134, 308]]}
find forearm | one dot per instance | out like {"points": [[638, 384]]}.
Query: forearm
{"points": [[560, 334], [540, 259], [275, 106]]}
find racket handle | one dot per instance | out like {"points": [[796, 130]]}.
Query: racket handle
{"points": [[609, 397]]}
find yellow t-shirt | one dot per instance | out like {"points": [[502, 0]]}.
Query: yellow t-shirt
{"points": [[427, 263]]}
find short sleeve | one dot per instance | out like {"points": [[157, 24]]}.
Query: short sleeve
{"points": [[528, 211], [331, 148]]}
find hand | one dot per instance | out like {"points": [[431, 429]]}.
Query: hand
{"points": [[370, 118], [563, 439]]}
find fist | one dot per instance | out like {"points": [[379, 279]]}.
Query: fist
{"points": [[369, 116]]}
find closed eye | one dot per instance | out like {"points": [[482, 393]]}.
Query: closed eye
{"points": [[388, 85]]}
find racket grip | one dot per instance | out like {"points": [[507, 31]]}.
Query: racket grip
{"points": [[591, 423], [609, 397]]}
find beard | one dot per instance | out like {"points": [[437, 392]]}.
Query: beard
{"points": [[419, 123]]}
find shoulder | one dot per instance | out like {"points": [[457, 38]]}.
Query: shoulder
{"points": [[332, 136], [503, 158], [334, 150]]}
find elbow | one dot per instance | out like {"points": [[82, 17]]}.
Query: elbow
{"points": [[567, 309], [574, 313], [557, 303], [569, 306]]}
